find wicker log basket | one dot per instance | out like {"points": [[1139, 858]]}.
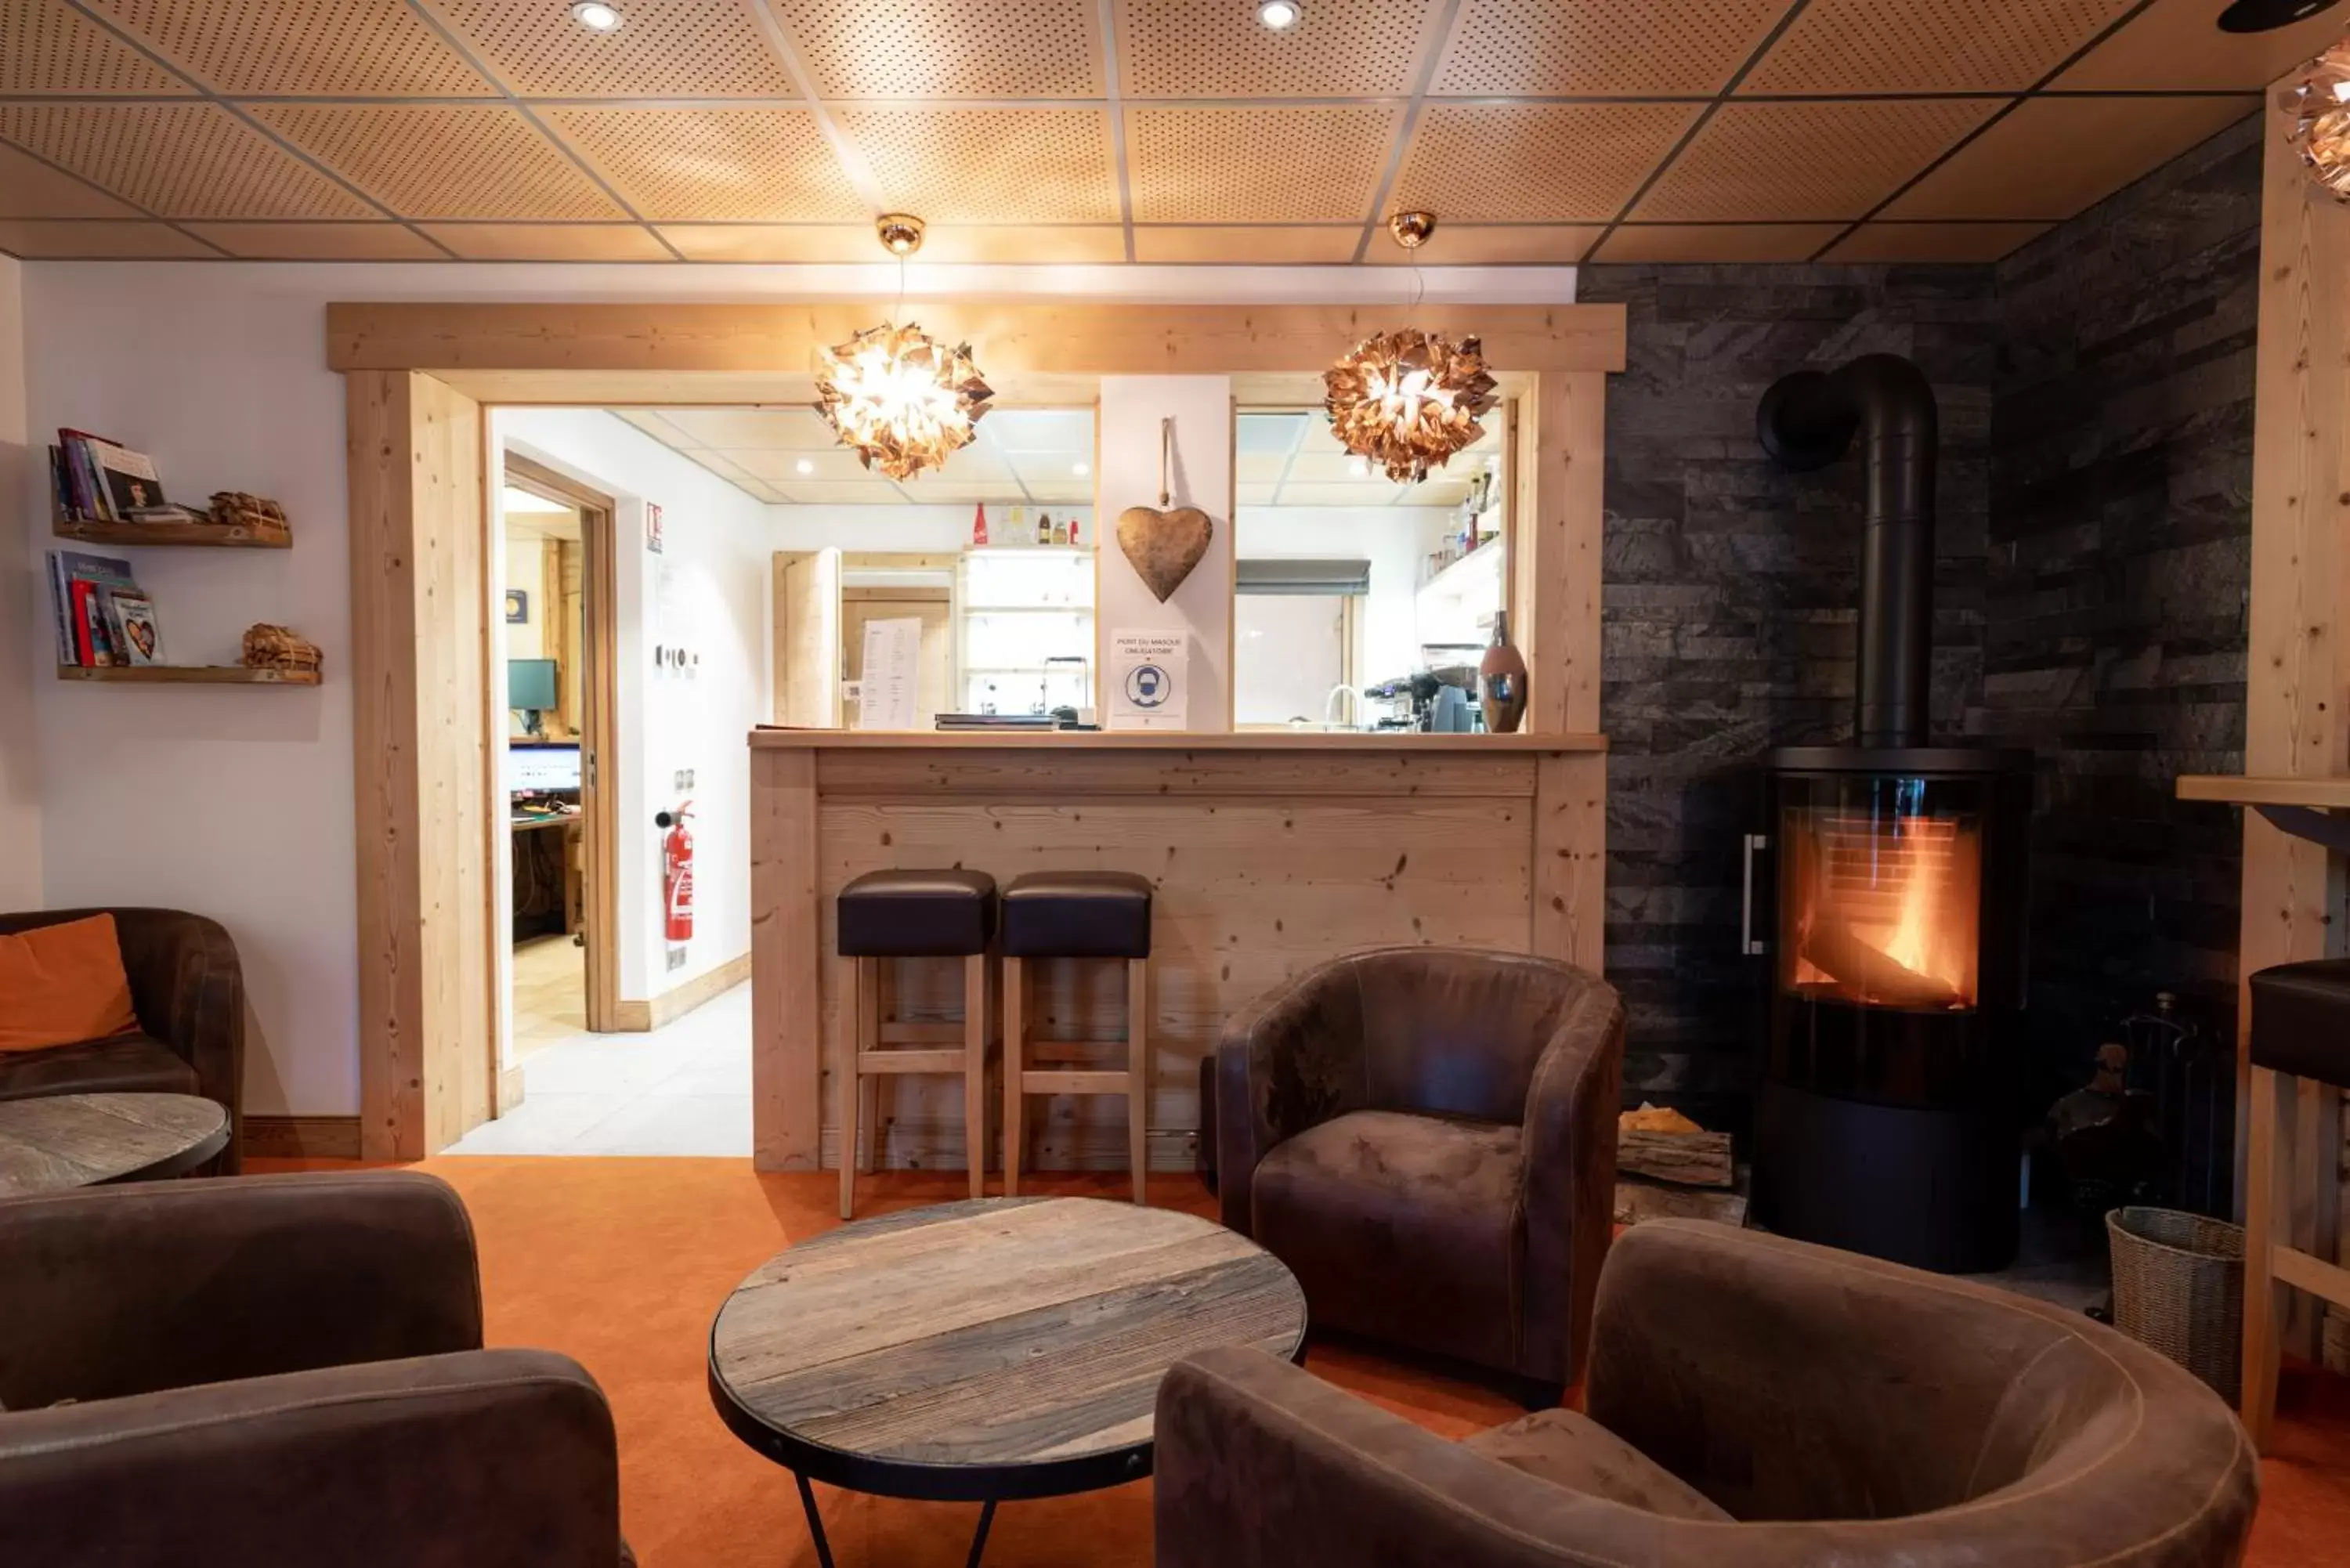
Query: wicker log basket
{"points": [[2179, 1288]]}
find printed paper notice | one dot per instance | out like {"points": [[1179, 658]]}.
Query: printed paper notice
{"points": [[1149, 680], [888, 685]]}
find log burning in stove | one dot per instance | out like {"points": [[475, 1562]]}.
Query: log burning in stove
{"points": [[1886, 1120]]}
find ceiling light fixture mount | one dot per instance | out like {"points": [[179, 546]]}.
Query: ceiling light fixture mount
{"points": [[1278, 14], [595, 15], [897, 398], [1409, 401], [2319, 104]]}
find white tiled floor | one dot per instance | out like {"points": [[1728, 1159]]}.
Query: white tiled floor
{"points": [[684, 1089]]}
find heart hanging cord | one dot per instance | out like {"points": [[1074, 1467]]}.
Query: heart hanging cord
{"points": [[1167, 541]]}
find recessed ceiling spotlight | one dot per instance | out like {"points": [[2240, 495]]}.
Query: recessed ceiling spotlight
{"points": [[803, 466], [1081, 469], [1276, 13], [595, 15]]}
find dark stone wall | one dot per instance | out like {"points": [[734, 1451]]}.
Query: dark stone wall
{"points": [[1729, 609], [2119, 581], [2093, 560]]}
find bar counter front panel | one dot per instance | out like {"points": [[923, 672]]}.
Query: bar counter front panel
{"points": [[1268, 853]]}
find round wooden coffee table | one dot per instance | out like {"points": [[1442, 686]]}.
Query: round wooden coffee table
{"points": [[54, 1142], [985, 1351]]}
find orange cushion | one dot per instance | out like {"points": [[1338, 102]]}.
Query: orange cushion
{"points": [[63, 984]]}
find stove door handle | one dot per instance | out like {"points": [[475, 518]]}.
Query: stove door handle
{"points": [[1748, 943]]}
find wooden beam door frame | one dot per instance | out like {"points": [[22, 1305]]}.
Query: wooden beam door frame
{"points": [[2295, 900], [417, 378], [599, 725]]}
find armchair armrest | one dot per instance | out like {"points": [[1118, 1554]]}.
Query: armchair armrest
{"points": [[488, 1456], [1567, 1180], [189, 991], [1291, 1062], [129, 1289], [1262, 1465]]}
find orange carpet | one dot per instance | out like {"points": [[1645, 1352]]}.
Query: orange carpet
{"points": [[621, 1263]]}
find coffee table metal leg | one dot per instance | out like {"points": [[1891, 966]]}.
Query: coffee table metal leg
{"points": [[978, 1542], [815, 1521]]}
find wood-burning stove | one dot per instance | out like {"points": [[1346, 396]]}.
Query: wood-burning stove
{"points": [[1886, 1119]]}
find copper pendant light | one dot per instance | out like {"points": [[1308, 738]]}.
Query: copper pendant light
{"points": [[896, 397], [1409, 400], [2319, 103]]}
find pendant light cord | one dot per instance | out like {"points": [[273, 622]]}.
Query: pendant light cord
{"points": [[1166, 460]]}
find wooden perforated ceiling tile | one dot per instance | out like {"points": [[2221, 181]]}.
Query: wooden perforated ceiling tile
{"points": [[2173, 45], [433, 160], [549, 241], [1933, 242], [1524, 162], [662, 48], [1601, 47], [1806, 161], [1336, 49], [1286, 164], [31, 189], [1716, 242], [2053, 156], [739, 164], [46, 46], [99, 242], [1491, 244], [948, 48], [320, 241], [1948, 45], [369, 49], [182, 160], [989, 165]]}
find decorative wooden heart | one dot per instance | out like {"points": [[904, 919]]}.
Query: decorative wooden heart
{"points": [[1164, 545]]}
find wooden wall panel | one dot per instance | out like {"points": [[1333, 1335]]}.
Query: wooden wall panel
{"points": [[786, 1014], [1562, 457], [419, 613], [807, 639], [2298, 669]]}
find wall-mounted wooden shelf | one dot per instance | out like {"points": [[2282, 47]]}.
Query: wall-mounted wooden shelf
{"points": [[218, 535], [188, 674], [2318, 793]]}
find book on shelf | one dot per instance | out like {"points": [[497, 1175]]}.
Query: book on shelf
{"points": [[94, 478], [103, 617]]}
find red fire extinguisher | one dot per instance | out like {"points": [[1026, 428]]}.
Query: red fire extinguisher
{"points": [[677, 873]]}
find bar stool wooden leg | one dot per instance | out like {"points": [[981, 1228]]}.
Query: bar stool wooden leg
{"points": [[974, 1070], [1016, 1061], [848, 1087], [868, 1085], [2268, 1167], [1138, 1070]]}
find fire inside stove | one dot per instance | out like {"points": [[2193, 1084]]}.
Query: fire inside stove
{"points": [[1882, 904]]}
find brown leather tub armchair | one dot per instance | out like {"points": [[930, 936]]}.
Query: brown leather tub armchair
{"points": [[284, 1370], [1427, 1138], [1754, 1403], [189, 992]]}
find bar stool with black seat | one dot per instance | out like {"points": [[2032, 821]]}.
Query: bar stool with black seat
{"points": [[1076, 915], [2300, 1037], [902, 915]]}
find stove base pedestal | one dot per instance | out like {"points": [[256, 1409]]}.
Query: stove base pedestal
{"points": [[1934, 1189]]}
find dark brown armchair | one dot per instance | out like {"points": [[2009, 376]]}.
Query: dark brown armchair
{"points": [[282, 1369], [189, 994], [1427, 1138], [1753, 1403]]}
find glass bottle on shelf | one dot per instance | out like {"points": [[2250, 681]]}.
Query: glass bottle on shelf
{"points": [[1043, 527]]}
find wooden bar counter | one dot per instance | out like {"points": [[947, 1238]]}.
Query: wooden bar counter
{"points": [[1269, 852]]}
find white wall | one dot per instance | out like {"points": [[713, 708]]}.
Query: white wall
{"points": [[716, 544], [238, 801], [24, 599]]}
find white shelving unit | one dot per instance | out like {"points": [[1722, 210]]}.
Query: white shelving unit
{"points": [[1022, 606]]}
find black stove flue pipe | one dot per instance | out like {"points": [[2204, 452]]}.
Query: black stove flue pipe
{"points": [[1807, 421]]}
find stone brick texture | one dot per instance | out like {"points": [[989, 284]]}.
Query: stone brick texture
{"points": [[2091, 567]]}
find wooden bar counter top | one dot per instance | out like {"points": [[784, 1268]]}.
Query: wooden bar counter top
{"points": [[1268, 852]]}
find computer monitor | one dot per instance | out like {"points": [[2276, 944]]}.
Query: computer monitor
{"points": [[530, 683]]}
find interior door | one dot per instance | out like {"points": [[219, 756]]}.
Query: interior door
{"points": [[932, 607], [807, 639]]}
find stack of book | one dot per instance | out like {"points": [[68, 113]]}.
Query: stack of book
{"points": [[103, 617], [94, 480]]}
